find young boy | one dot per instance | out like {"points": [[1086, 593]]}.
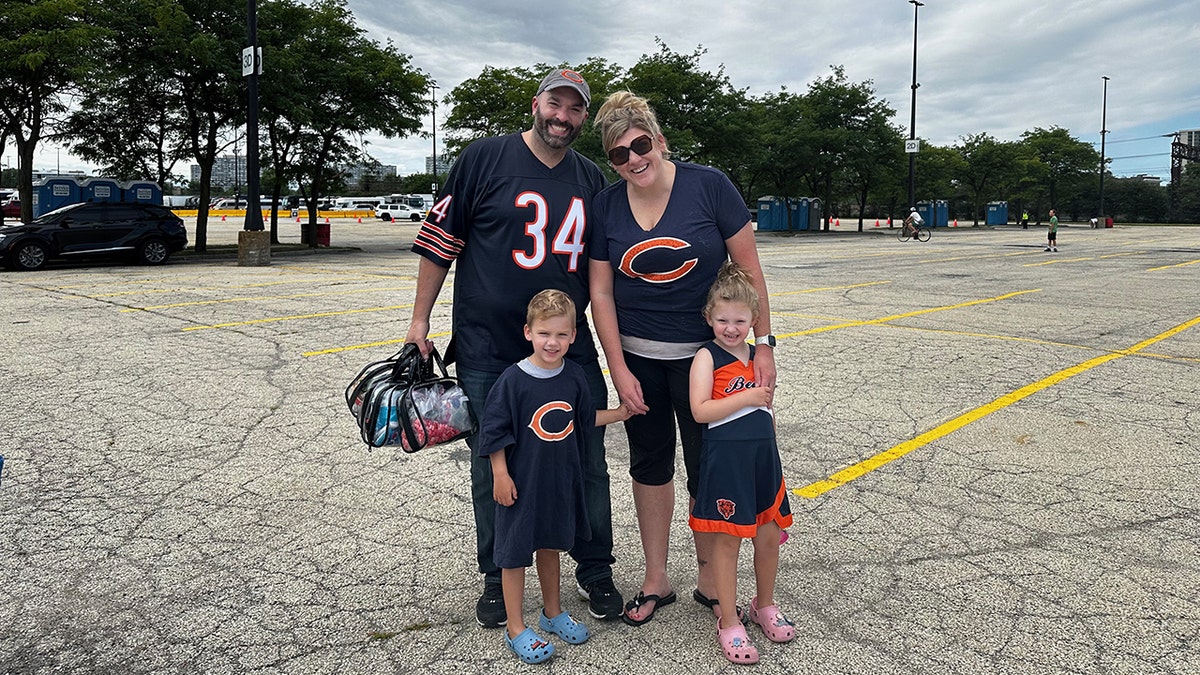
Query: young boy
{"points": [[1052, 233], [533, 433]]}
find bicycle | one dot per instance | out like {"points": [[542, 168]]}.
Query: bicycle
{"points": [[922, 233]]}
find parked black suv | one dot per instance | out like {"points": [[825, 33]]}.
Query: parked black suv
{"points": [[146, 232]]}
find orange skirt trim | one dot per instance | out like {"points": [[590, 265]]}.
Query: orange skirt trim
{"points": [[772, 514]]}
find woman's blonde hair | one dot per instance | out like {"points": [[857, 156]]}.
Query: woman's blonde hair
{"points": [[733, 284], [622, 111]]}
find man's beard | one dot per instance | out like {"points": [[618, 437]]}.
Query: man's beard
{"points": [[541, 126]]}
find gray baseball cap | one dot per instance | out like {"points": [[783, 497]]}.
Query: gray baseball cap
{"points": [[563, 77]]}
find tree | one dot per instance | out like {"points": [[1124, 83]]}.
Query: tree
{"points": [[1061, 158], [347, 86], [46, 51], [986, 164], [123, 120]]}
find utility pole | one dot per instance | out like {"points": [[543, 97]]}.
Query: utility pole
{"points": [[434, 172], [254, 244]]}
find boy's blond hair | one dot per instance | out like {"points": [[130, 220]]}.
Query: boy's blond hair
{"points": [[549, 304], [733, 284]]}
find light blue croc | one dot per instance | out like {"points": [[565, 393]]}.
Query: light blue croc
{"points": [[565, 627], [529, 646]]}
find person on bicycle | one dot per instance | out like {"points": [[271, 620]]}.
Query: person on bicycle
{"points": [[912, 222]]}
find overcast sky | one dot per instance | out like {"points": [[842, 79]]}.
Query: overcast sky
{"points": [[996, 66]]}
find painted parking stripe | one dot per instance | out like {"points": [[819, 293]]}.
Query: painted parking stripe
{"points": [[1167, 267], [896, 452], [830, 288], [297, 317], [256, 298], [366, 345], [895, 317]]}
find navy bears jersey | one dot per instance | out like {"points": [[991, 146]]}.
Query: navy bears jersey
{"points": [[661, 277], [513, 227]]}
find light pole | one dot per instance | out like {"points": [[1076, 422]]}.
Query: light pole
{"points": [[1103, 133], [433, 98], [912, 124], [254, 219]]}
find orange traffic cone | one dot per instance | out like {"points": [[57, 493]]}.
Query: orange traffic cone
{"points": [[297, 219], [360, 219], [222, 218], [956, 222], [876, 222], [326, 220]]}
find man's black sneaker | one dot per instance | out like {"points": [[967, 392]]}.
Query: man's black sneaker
{"points": [[489, 611], [604, 600]]}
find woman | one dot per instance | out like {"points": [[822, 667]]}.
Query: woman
{"points": [[658, 237]]}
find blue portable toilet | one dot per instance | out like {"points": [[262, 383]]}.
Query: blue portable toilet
{"points": [[925, 208], [997, 213], [100, 190], [941, 213], [142, 192], [772, 214], [798, 214], [54, 192]]}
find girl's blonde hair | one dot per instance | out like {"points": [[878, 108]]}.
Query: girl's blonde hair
{"points": [[622, 111], [549, 304], [733, 284]]}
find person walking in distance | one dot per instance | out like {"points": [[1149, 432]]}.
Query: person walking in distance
{"points": [[512, 219]]}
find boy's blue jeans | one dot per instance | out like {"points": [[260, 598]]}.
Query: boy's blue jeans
{"points": [[594, 557]]}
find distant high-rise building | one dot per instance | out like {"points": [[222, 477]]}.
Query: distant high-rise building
{"points": [[355, 174], [443, 164], [1188, 137], [228, 172]]}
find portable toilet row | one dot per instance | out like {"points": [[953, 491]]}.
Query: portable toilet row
{"points": [[780, 214], [54, 192], [935, 213], [997, 213]]}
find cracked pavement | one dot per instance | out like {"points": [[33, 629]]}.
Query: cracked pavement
{"points": [[184, 490]]}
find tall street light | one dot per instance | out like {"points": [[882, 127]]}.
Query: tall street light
{"points": [[254, 219], [911, 147], [433, 98], [1103, 133]]}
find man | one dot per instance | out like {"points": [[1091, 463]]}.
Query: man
{"points": [[513, 216], [913, 221], [1025, 220], [1052, 233]]}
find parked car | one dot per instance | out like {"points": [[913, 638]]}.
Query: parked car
{"points": [[390, 212], [12, 209], [147, 233]]}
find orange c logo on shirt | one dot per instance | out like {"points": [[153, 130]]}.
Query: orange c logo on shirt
{"points": [[536, 424], [627, 260]]}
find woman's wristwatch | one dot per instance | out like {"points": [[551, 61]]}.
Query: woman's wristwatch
{"points": [[768, 340]]}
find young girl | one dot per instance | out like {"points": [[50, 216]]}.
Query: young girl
{"points": [[533, 433], [741, 493]]}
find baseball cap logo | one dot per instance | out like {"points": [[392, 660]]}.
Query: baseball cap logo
{"points": [[572, 76]]}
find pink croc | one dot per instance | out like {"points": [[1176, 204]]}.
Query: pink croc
{"points": [[773, 623], [736, 644]]}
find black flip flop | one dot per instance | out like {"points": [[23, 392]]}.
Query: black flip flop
{"points": [[641, 599], [713, 603]]}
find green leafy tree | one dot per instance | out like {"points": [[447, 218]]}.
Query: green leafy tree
{"points": [[1060, 159], [350, 86], [46, 52], [986, 165]]}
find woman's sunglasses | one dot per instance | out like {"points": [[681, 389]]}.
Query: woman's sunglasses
{"points": [[620, 154]]}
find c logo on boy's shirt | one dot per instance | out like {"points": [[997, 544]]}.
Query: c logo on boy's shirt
{"points": [[627, 260], [537, 424]]}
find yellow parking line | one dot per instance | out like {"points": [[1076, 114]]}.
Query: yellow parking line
{"points": [[977, 257], [254, 298], [894, 317], [366, 345], [1056, 261], [198, 288], [1167, 267], [1118, 255], [896, 452], [295, 317], [831, 288]]}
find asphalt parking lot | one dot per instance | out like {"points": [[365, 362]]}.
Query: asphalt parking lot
{"points": [[993, 451]]}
